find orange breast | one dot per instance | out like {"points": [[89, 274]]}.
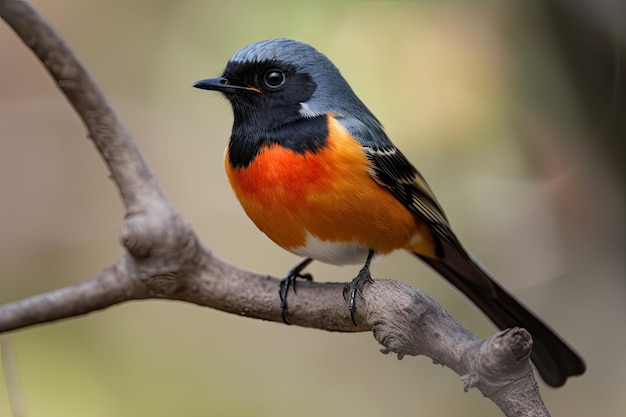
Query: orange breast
{"points": [[328, 194]]}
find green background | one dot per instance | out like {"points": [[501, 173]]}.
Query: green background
{"points": [[476, 94]]}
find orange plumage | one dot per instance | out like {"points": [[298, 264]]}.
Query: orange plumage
{"points": [[328, 194]]}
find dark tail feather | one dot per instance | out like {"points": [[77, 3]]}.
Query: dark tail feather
{"points": [[554, 360]]}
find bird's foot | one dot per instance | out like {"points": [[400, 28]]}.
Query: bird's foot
{"points": [[355, 287], [290, 281]]}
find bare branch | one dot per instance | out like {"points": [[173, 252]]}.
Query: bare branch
{"points": [[165, 260], [128, 169], [112, 286], [404, 320]]}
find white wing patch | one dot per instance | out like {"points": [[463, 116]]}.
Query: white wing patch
{"points": [[383, 151], [307, 111]]}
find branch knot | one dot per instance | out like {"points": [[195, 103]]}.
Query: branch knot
{"points": [[162, 248]]}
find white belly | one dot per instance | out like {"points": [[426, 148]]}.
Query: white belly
{"points": [[335, 253]]}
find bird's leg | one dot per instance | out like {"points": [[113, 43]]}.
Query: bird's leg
{"points": [[357, 284], [290, 281]]}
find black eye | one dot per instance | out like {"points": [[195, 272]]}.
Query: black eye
{"points": [[274, 78]]}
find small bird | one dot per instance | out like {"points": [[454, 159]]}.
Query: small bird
{"points": [[315, 171]]}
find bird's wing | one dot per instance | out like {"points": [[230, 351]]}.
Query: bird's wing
{"points": [[391, 169]]}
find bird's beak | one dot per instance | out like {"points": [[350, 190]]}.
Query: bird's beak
{"points": [[222, 84]]}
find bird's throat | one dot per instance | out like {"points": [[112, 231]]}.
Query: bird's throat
{"points": [[300, 136]]}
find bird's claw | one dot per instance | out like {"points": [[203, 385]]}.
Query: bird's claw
{"points": [[290, 281], [356, 287]]}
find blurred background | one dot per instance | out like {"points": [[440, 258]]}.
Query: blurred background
{"points": [[513, 111]]}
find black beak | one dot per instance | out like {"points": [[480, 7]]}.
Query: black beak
{"points": [[222, 84]]}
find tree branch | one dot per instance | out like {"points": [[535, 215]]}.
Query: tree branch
{"points": [[165, 260]]}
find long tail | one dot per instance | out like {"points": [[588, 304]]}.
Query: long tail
{"points": [[554, 360]]}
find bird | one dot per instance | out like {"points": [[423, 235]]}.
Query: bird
{"points": [[315, 171]]}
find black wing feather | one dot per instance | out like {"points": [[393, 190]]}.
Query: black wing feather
{"points": [[391, 169]]}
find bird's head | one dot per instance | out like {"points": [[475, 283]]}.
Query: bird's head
{"points": [[281, 80]]}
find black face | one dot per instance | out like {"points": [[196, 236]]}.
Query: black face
{"points": [[272, 92], [266, 99]]}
